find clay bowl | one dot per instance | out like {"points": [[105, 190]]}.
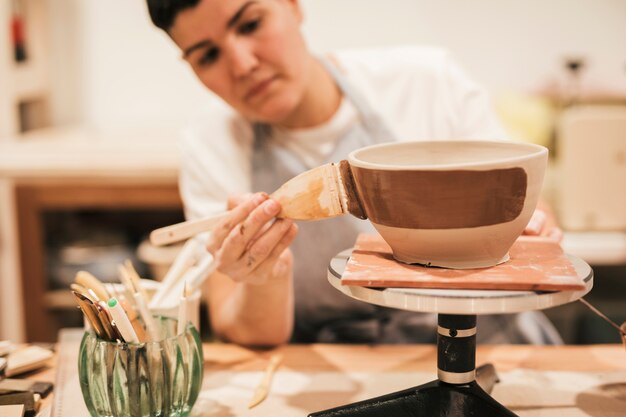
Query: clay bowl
{"points": [[453, 204]]}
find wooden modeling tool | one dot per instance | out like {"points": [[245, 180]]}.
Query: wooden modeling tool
{"points": [[136, 280], [320, 193], [80, 289], [133, 316], [182, 312], [186, 258], [89, 310], [152, 332], [88, 281], [126, 282], [263, 389], [106, 321]]}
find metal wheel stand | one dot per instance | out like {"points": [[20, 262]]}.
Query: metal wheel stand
{"points": [[460, 390]]}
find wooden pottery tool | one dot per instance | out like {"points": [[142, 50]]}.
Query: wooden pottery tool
{"points": [[80, 289], [263, 389], [186, 258], [135, 279], [90, 311], [88, 281]]}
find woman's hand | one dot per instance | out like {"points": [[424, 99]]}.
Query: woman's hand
{"points": [[543, 223], [251, 245]]}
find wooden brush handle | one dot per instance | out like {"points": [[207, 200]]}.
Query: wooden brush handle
{"points": [[184, 230]]}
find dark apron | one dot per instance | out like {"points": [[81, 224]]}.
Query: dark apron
{"points": [[323, 314]]}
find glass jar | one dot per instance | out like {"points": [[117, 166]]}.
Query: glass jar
{"points": [[160, 378]]}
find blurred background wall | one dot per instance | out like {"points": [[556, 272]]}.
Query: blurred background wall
{"points": [[130, 73]]}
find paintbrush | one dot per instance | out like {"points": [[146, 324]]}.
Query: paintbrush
{"points": [[320, 193]]}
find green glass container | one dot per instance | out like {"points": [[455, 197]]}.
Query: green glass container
{"points": [[142, 379]]}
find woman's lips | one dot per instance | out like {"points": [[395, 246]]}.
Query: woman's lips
{"points": [[259, 88]]}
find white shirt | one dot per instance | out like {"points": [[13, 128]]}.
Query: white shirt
{"points": [[419, 92]]}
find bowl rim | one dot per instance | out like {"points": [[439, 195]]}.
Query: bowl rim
{"points": [[354, 161]]}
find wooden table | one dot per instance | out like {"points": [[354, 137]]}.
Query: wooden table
{"points": [[389, 359]]}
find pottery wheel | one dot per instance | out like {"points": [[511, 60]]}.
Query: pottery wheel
{"points": [[453, 301], [461, 389]]}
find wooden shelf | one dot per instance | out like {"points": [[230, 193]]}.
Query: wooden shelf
{"points": [[24, 82], [59, 300], [33, 199], [30, 82]]}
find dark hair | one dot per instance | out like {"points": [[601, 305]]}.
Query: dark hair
{"points": [[164, 12]]}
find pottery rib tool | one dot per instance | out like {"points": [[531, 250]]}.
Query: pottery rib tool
{"points": [[262, 390], [320, 193]]}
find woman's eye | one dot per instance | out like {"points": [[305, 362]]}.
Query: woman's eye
{"points": [[209, 56], [249, 27]]}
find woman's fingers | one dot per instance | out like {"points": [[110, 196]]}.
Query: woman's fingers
{"points": [[235, 200], [237, 215], [536, 224], [241, 236], [279, 235], [265, 269], [265, 244]]}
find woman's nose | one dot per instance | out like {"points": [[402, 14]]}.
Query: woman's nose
{"points": [[242, 60]]}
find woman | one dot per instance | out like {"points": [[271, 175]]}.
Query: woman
{"points": [[290, 111]]}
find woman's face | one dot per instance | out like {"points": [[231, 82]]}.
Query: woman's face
{"points": [[249, 52]]}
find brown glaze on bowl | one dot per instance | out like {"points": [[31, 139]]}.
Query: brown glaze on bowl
{"points": [[455, 204]]}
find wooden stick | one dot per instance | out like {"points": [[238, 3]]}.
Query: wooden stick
{"points": [[185, 259], [263, 389], [136, 280], [184, 230]]}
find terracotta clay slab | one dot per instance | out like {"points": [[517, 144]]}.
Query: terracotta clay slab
{"points": [[536, 264]]}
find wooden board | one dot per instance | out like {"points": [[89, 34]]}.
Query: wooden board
{"points": [[536, 264]]}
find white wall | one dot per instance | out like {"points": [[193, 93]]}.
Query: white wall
{"points": [[131, 74], [502, 43]]}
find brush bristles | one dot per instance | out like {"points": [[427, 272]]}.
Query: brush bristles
{"points": [[312, 195], [341, 191]]}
